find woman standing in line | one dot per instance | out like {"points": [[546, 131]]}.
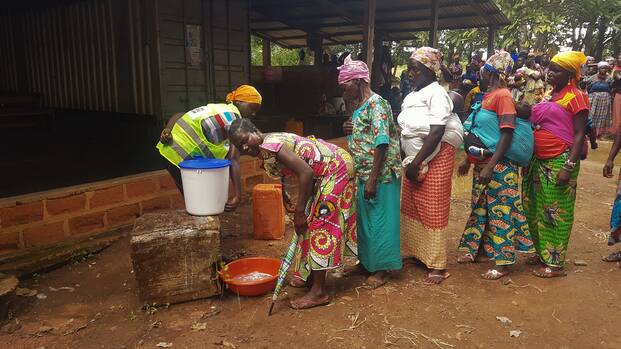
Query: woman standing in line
{"points": [[427, 114], [550, 184]]}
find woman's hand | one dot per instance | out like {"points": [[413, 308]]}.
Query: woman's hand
{"points": [[232, 204], [411, 172], [608, 169], [485, 176], [166, 136], [563, 177], [348, 127], [370, 188], [299, 222], [464, 168]]}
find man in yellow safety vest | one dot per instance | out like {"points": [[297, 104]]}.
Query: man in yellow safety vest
{"points": [[204, 132]]}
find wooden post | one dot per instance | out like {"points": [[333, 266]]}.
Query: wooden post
{"points": [[369, 31], [491, 35], [267, 53], [433, 31]]}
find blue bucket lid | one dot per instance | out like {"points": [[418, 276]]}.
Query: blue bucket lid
{"points": [[204, 163]]}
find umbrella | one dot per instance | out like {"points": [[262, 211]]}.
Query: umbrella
{"points": [[284, 267]]}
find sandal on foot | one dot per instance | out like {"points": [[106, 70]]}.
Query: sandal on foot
{"points": [[304, 303], [548, 272], [439, 277], [466, 258], [493, 274], [613, 257]]}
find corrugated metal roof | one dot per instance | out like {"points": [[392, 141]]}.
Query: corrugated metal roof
{"points": [[288, 22]]}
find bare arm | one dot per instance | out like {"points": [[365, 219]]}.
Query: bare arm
{"points": [[305, 185], [431, 142], [506, 136], [378, 160], [166, 135], [235, 175], [579, 132], [576, 149], [610, 163], [173, 119]]}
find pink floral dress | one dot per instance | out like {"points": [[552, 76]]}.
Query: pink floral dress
{"points": [[331, 209]]}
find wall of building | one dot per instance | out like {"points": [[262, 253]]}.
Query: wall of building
{"points": [[128, 56]]}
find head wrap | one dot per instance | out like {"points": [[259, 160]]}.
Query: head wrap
{"points": [[590, 59], [571, 61], [353, 69], [499, 63], [429, 57], [603, 64], [244, 93]]}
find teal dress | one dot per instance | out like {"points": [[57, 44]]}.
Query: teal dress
{"points": [[378, 219]]}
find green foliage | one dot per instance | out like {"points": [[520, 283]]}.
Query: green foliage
{"points": [[539, 25], [280, 56]]}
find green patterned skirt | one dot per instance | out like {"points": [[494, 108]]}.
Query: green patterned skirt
{"points": [[550, 208]]}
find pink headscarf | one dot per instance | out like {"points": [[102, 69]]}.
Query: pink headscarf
{"points": [[352, 69]]}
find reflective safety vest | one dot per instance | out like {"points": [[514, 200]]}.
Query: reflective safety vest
{"points": [[200, 132]]}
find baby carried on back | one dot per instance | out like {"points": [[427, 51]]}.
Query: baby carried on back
{"points": [[483, 134]]}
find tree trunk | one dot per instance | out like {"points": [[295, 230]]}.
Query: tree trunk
{"points": [[616, 44], [588, 38], [602, 26]]}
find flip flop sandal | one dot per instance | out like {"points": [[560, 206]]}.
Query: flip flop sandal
{"points": [[445, 276], [613, 257], [467, 258], [548, 273], [494, 274], [309, 305]]}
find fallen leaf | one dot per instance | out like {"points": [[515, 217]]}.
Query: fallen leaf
{"points": [[41, 296], [64, 288], [199, 326], [515, 333], [514, 303], [226, 344], [211, 313], [505, 320], [156, 324], [25, 292], [347, 298], [44, 329], [580, 262], [164, 345]]}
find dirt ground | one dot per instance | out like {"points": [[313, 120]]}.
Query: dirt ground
{"points": [[582, 310]]}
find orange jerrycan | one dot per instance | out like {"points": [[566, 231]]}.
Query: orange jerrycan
{"points": [[268, 212]]}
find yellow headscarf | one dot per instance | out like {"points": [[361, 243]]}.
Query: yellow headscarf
{"points": [[571, 61], [244, 93]]}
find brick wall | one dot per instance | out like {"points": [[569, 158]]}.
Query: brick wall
{"points": [[40, 220], [47, 218]]}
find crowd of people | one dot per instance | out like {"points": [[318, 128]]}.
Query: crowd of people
{"points": [[388, 196]]}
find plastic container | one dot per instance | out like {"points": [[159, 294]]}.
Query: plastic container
{"points": [[268, 212], [205, 185], [249, 265]]}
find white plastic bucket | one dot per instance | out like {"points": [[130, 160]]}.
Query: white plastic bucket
{"points": [[205, 185]]}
